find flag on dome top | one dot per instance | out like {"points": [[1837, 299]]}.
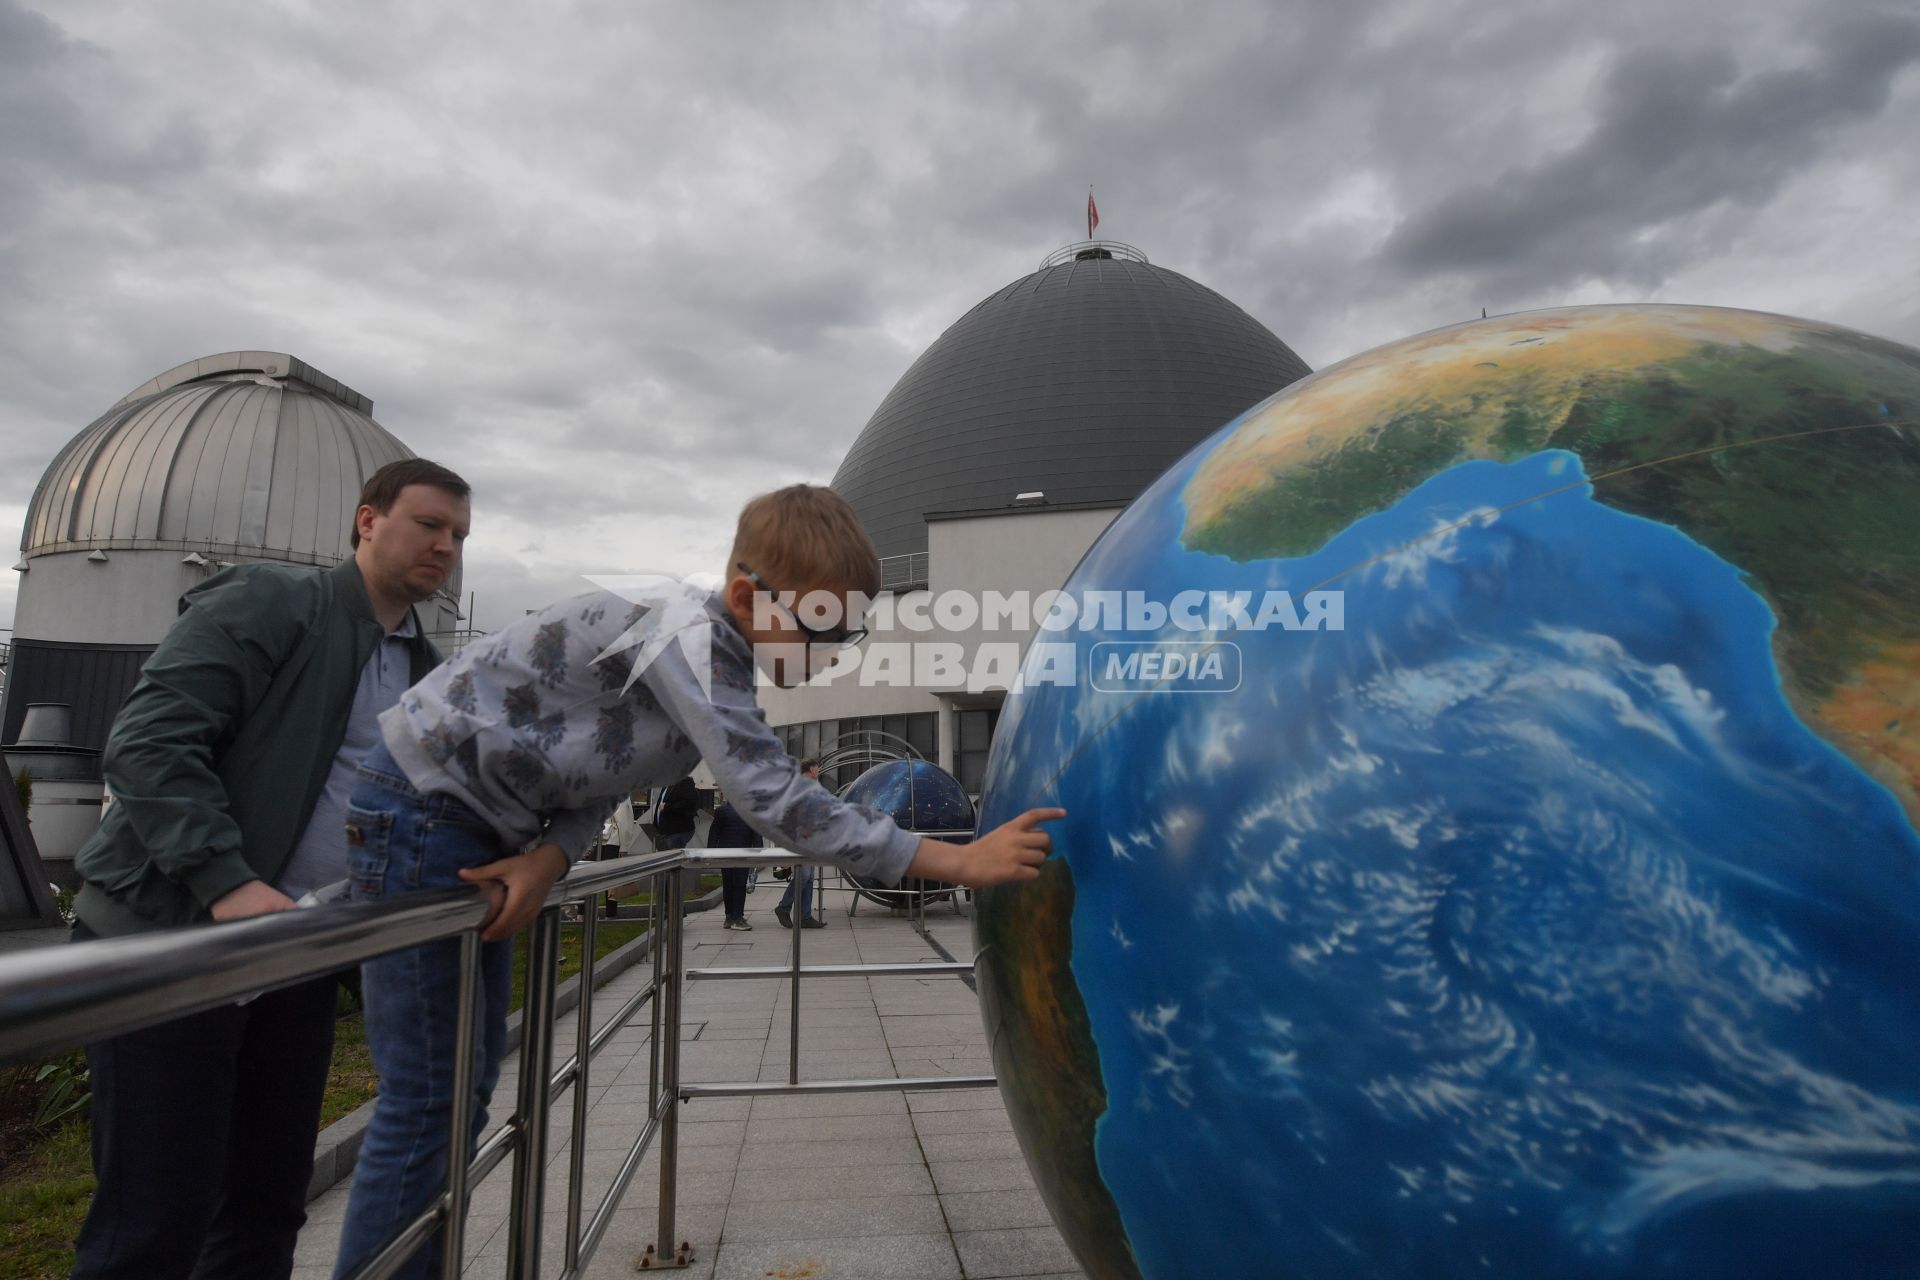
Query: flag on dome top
{"points": [[1093, 214]]}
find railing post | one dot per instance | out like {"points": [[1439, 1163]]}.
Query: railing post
{"points": [[802, 901], [460, 1122], [656, 888], [536, 1072], [582, 1058], [670, 922]]}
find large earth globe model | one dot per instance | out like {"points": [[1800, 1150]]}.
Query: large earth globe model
{"points": [[922, 797], [1557, 916]]}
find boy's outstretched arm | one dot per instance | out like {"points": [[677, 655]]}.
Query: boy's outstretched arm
{"points": [[1011, 851], [768, 790], [750, 764]]}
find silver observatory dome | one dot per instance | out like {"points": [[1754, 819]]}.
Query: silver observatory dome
{"points": [[241, 457], [253, 454]]}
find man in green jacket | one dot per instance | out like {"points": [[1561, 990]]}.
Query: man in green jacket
{"points": [[230, 764]]}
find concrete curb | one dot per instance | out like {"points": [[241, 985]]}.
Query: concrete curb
{"points": [[339, 1143]]}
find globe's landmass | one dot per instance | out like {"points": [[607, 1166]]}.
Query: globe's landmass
{"points": [[1045, 1061], [1557, 915], [1779, 444]]}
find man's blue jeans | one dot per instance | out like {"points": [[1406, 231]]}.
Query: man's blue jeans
{"points": [[802, 881], [401, 841]]}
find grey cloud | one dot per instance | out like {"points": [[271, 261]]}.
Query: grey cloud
{"points": [[625, 265], [52, 125], [1680, 132]]}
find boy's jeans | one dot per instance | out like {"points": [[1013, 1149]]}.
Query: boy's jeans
{"points": [[400, 841]]}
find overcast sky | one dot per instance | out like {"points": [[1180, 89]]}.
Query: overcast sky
{"points": [[625, 265]]}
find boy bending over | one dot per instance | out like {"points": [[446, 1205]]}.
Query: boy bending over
{"points": [[522, 744]]}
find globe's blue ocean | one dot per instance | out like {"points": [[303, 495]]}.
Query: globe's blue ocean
{"points": [[1519, 929]]}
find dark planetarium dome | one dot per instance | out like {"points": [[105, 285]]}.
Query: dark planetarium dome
{"points": [[1083, 381]]}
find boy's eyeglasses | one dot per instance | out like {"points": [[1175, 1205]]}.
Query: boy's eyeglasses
{"points": [[839, 637]]}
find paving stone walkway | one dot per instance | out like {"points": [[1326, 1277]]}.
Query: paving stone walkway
{"points": [[927, 1186]]}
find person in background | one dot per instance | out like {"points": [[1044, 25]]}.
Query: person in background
{"points": [[801, 881], [679, 814], [624, 836], [731, 831], [230, 765]]}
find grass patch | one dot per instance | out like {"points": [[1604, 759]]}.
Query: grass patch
{"points": [[43, 1200], [609, 937], [351, 1081]]}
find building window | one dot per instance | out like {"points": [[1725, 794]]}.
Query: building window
{"points": [[922, 734], [918, 731], [810, 739], [975, 740]]}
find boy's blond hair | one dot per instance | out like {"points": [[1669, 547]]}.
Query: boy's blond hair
{"points": [[805, 536]]}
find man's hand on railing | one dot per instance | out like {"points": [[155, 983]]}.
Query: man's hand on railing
{"points": [[525, 879], [1011, 851], [254, 898]]}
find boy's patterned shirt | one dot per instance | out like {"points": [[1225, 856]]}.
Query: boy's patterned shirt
{"points": [[540, 735]]}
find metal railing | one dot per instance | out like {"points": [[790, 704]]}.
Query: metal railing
{"points": [[793, 970], [452, 642], [56, 998], [903, 573], [1082, 249]]}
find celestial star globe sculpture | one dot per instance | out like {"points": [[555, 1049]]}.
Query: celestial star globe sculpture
{"points": [[1556, 915], [916, 794], [920, 796]]}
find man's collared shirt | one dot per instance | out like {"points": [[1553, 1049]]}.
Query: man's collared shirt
{"points": [[321, 856]]}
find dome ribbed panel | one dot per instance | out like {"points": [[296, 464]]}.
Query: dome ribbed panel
{"points": [[242, 465]]}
